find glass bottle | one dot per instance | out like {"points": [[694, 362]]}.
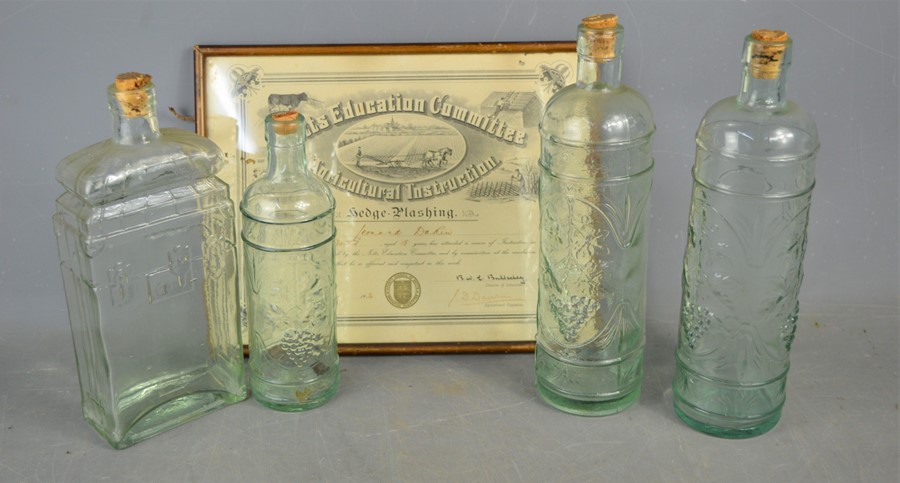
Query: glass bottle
{"points": [[146, 246], [288, 233], [753, 179], [595, 182]]}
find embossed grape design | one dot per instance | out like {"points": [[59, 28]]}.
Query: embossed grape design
{"points": [[696, 322], [573, 315], [301, 346]]}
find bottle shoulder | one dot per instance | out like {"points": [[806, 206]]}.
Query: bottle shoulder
{"points": [[108, 171], [758, 152], [292, 200], [595, 115], [732, 129]]}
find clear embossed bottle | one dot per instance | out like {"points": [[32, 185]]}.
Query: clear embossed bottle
{"points": [[753, 178], [146, 246], [595, 182], [288, 233]]}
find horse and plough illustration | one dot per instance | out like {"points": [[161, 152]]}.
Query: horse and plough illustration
{"points": [[432, 158], [403, 157]]}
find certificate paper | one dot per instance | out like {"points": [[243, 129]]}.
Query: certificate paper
{"points": [[431, 153]]}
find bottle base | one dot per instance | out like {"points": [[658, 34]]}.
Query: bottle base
{"points": [[291, 398], [588, 408], [721, 426], [168, 416], [727, 409], [597, 389]]}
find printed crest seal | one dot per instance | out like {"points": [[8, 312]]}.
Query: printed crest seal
{"points": [[402, 290]]}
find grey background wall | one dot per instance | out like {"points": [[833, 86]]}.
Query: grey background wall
{"points": [[56, 59]]}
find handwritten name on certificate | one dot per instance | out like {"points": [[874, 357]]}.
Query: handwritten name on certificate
{"points": [[432, 160]]}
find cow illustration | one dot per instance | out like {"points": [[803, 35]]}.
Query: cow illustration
{"points": [[289, 102], [286, 102]]}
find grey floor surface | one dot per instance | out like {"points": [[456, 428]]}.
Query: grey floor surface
{"points": [[476, 418]]}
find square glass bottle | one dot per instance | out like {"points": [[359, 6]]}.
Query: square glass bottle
{"points": [[146, 246]]}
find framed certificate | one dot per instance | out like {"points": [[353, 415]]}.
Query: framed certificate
{"points": [[431, 153]]}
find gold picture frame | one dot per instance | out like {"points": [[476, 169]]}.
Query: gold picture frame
{"points": [[431, 152]]}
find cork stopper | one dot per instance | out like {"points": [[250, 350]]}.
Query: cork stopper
{"points": [[600, 33], [130, 81], [767, 53], [131, 92], [285, 122], [601, 21]]}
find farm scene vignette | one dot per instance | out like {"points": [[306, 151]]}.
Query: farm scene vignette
{"points": [[397, 148]]}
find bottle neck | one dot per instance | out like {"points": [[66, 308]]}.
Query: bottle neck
{"points": [[764, 81], [286, 153], [599, 57], [604, 74], [134, 115], [762, 93]]}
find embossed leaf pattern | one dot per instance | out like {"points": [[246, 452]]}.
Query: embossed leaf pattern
{"points": [[578, 265], [292, 312], [576, 244], [569, 276], [743, 270], [623, 218], [620, 321], [758, 235], [217, 246]]}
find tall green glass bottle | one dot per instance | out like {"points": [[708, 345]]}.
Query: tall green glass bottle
{"points": [[595, 182], [753, 179], [288, 233]]}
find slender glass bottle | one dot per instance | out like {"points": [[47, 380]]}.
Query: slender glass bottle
{"points": [[146, 246], [753, 179], [595, 181], [288, 233]]}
